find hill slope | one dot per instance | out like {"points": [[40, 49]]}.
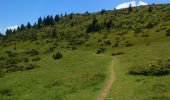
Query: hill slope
{"points": [[56, 58]]}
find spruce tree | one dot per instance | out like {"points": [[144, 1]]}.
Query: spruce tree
{"points": [[71, 16], [150, 9], [22, 27], [28, 25], [130, 8], [57, 18], [40, 23]]}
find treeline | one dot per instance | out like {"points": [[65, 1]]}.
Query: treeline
{"points": [[109, 22], [41, 22]]}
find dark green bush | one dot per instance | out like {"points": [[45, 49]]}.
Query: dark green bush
{"points": [[168, 32], [73, 48], [128, 44], [100, 50], [116, 44], [36, 59], [11, 53], [117, 53], [26, 59], [2, 74], [22, 67], [162, 67], [2, 58], [108, 42], [57, 55], [99, 40], [33, 52], [53, 84], [4, 92]]}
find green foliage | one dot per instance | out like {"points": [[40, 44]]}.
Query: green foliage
{"points": [[57, 55], [158, 69], [21, 67], [100, 50], [2, 74], [5, 92], [168, 32], [117, 53], [33, 52], [113, 30], [36, 59], [94, 26], [128, 44]]}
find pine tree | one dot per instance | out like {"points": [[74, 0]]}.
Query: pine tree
{"points": [[109, 24], [40, 23], [94, 26], [8, 32], [103, 11], [22, 27], [28, 25], [1, 35], [150, 9], [71, 16], [130, 8], [57, 18]]}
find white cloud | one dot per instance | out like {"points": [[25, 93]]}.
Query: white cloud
{"points": [[133, 4], [12, 27], [126, 5], [141, 3]]}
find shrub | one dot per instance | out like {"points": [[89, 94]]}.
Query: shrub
{"points": [[26, 59], [108, 42], [57, 55], [117, 53], [76, 42], [73, 48], [4, 92], [11, 53], [99, 40], [128, 44], [168, 32], [2, 74], [100, 50], [2, 58], [36, 59], [53, 84], [23, 67], [33, 52], [158, 69], [116, 44]]}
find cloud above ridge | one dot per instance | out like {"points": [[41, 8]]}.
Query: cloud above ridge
{"points": [[12, 27], [133, 4]]}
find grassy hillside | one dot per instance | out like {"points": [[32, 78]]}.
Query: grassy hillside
{"points": [[32, 68]]}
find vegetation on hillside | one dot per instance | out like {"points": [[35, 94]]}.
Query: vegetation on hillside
{"points": [[137, 37]]}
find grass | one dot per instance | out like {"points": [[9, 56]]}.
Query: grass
{"points": [[80, 73], [69, 78], [130, 87]]}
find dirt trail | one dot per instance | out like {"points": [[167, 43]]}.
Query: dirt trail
{"points": [[108, 85]]}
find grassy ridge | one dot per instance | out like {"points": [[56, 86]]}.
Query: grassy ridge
{"points": [[134, 38]]}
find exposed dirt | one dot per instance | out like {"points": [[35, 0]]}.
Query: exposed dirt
{"points": [[108, 85]]}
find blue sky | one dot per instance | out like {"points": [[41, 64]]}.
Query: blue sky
{"points": [[16, 12]]}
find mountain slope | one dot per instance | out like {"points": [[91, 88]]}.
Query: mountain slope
{"points": [[58, 55]]}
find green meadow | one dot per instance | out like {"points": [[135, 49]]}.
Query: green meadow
{"points": [[68, 57]]}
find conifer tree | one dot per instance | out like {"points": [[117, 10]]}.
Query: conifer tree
{"points": [[71, 16], [40, 23], [130, 8], [57, 18], [22, 27], [28, 25], [150, 9]]}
